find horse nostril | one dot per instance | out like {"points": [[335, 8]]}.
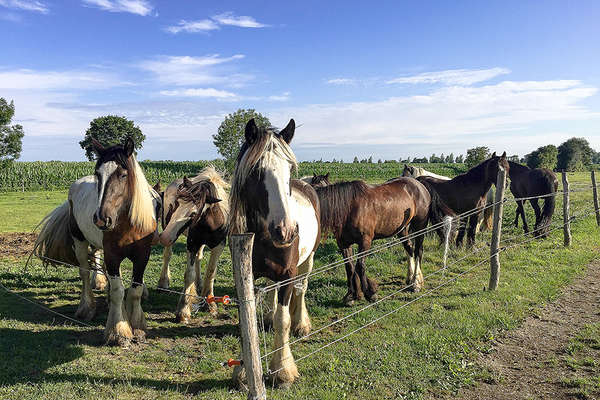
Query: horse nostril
{"points": [[108, 221]]}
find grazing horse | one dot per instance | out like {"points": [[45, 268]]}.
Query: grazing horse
{"points": [[467, 191], [198, 208], [317, 180], [115, 210], [284, 216], [527, 182], [488, 213], [357, 213]]}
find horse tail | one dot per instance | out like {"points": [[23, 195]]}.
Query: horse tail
{"points": [[488, 213], [54, 244], [548, 210], [439, 212]]}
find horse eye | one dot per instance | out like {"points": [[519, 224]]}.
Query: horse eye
{"points": [[123, 176]]}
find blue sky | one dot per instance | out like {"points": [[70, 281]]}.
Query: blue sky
{"points": [[387, 79]]}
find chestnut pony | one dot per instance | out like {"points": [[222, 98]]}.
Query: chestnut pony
{"points": [[284, 216], [114, 210]]}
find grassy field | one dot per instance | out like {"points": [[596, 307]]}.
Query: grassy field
{"points": [[429, 346]]}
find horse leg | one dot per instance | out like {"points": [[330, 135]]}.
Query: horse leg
{"points": [[87, 303], [354, 292], [461, 232], [516, 223], [118, 329], [133, 304], [271, 302], [369, 286], [472, 228], [410, 272], [538, 216], [99, 280], [419, 280], [282, 361], [209, 276], [197, 267], [184, 307], [521, 210], [165, 273], [300, 319]]}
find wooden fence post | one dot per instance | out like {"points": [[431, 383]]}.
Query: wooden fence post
{"points": [[595, 190], [241, 254], [495, 246], [566, 217]]}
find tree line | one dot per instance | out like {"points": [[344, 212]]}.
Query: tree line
{"points": [[574, 154]]}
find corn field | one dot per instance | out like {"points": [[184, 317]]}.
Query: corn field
{"points": [[57, 175]]}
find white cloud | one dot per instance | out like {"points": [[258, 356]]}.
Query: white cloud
{"points": [[452, 76], [187, 70], [342, 81], [26, 79], [27, 5], [242, 21], [285, 96], [199, 92], [193, 26], [447, 115], [205, 25], [138, 7]]}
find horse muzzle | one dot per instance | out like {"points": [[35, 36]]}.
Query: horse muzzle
{"points": [[283, 237], [101, 223]]}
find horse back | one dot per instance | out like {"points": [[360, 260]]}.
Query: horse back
{"points": [[455, 194], [308, 193]]}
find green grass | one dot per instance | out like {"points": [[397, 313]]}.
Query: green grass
{"points": [[428, 346], [23, 211], [583, 351]]}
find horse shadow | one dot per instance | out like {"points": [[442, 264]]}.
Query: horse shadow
{"points": [[26, 356]]}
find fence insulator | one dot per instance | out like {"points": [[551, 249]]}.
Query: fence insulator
{"points": [[232, 363], [219, 299]]}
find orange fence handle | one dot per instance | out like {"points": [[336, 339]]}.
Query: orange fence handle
{"points": [[231, 362], [221, 299]]}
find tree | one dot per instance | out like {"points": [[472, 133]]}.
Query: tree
{"points": [[543, 157], [476, 155], [355, 160], [11, 137], [230, 135], [514, 158], [450, 158], [574, 155], [110, 130], [460, 159], [370, 160]]}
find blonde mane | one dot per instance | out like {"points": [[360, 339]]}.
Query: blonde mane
{"points": [[141, 210], [261, 153], [211, 174]]}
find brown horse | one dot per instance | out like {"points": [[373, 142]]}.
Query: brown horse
{"points": [[284, 216], [317, 180], [467, 192], [527, 182], [114, 210], [358, 213]]}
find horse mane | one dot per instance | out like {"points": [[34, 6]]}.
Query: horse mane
{"points": [[336, 201], [260, 154], [141, 210], [212, 175]]}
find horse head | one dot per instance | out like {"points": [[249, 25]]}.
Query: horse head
{"points": [[493, 165], [320, 180], [191, 203], [262, 183]]}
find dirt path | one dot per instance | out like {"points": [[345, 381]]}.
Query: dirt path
{"points": [[533, 361], [15, 245]]}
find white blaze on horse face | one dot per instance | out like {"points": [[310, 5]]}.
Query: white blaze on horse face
{"points": [[103, 174], [277, 184], [180, 217]]}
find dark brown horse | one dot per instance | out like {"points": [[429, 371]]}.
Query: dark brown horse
{"points": [[284, 216], [468, 191], [527, 182], [115, 210], [317, 180], [358, 213]]}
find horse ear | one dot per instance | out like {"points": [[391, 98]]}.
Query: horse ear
{"points": [[314, 174], [493, 154], [98, 147], [288, 132], [504, 155], [211, 200], [251, 131], [327, 176], [186, 182], [129, 146], [156, 187]]}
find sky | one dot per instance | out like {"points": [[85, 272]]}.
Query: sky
{"points": [[386, 79]]}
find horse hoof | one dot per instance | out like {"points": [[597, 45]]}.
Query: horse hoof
{"points": [[374, 297], [182, 319], [139, 335], [85, 313], [348, 299], [163, 283]]}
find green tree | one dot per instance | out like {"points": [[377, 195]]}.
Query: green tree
{"points": [[110, 130], [476, 155], [574, 155], [355, 160], [11, 136], [230, 135], [450, 158], [460, 159], [543, 157], [514, 158]]}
